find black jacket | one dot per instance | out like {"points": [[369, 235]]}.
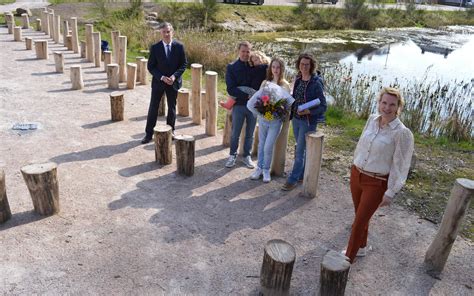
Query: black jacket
{"points": [[159, 65]]}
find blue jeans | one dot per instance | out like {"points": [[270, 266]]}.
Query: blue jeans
{"points": [[268, 132], [300, 128], [240, 113]]}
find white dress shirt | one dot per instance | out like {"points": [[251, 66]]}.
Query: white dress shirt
{"points": [[385, 150]]}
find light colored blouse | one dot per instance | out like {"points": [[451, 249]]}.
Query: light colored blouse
{"points": [[385, 150]]}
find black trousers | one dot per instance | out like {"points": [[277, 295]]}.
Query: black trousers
{"points": [[156, 94]]}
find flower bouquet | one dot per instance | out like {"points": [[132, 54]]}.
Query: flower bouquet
{"points": [[272, 102]]}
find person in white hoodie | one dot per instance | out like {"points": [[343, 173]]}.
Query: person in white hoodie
{"points": [[274, 88]]}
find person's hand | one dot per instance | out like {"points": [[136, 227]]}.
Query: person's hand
{"points": [[168, 80], [386, 201], [304, 112], [172, 79]]}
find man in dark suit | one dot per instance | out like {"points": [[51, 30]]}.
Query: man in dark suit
{"points": [[167, 63]]}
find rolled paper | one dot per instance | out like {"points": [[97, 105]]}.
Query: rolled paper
{"points": [[309, 105]]}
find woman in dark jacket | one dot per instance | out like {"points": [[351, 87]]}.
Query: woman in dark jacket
{"points": [[307, 110]]}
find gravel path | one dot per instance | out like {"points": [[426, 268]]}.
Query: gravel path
{"points": [[128, 226]]}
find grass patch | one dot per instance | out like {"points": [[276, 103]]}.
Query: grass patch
{"points": [[3, 2]]}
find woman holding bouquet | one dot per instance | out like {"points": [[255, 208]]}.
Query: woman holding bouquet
{"points": [[271, 104], [308, 109]]}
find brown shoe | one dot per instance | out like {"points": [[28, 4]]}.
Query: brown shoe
{"points": [[288, 187]]}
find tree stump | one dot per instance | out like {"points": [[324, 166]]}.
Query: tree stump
{"points": [[38, 24], [227, 129], [211, 105], [29, 43], [107, 59], [116, 105], [143, 72], [163, 140], [25, 20], [41, 48], [115, 45], [196, 73], [74, 34], [277, 267], [76, 77], [17, 36], [458, 204], [47, 25], [10, 20], [183, 102], [89, 43], [5, 213], [131, 75], [139, 67], [314, 156], [65, 31], [50, 17], [279, 153], [97, 51], [122, 62], [334, 273], [113, 76], [59, 61], [57, 31], [163, 105], [185, 153], [83, 48], [42, 183], [68, 42], [203, 104]]}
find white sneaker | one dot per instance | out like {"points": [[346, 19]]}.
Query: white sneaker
{"points": [[361, 253], [266, 176], [248, 162], [231, 161], [256, 174]]}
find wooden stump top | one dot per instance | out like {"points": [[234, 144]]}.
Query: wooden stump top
{"points": [[335, 261], [112, 65], [41, 41], [116, 94], [75, 66], [280, 251], [162, 128], [211, 73], [466, 183], [196, 66], [184, 138], [183, 90], [38, 168], [317, 134], [131, 64]]}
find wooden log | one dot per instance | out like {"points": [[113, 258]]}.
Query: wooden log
{"points": [[42, 182], [183, 102], [76, 77], [83, 48], [41, 48], [65, 26], [25, 20], [89, 43], [29, 43], [279, 153], [203, 104], [115, 45], [139, 67], [226, 134], [122, 56], [74, 34], [185, 154], [10, 20], [97, 50], [68, 42], [5, 213], [17, 35], [277, 268], [334, 273], [59, 61], [163, 104], [51, 24], [196, 73], [107, 59], [211, 106], [113, 76], [47, 23], [163, 140], [143, 72], [116, 105], [131, 75], [57, 26], [458, 204], [38, 24], [314, 156], [254, 151]]}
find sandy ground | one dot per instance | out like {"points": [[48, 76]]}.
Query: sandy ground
{"points": [[128, 226]]}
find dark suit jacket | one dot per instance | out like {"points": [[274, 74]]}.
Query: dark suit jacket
{"points": [[159, 65]]}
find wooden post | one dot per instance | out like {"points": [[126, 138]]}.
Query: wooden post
{"points": [[10, 20], [196, 73], [122, 55], [68, 42], [185, 152], [112, 76], [74, 34], [97, 50], [279, 152], [143, 72], [51, 24], [115, 45], [277, 267], [59, 61], [41, 48], [38, 24], [65, 31], [57, 30], [89, 43], [254, 151], [116, 105], [42, 182], [458, 204], [334, 273], [83, 48], [211, 98], [25, 20], [5, 213], [227, 129], [314, 156], [17, 36], [139, 67], [163, 140], [76, 77], [131, 75], [183, 102], [107, 59], [29, 43], [163, 104], [47, 25], [203, 104]]}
